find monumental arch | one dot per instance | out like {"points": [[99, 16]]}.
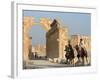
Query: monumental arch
{"points": [[28, 22], [56, 37]]}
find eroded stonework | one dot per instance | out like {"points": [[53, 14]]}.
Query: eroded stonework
{"points": [[56, 39], [28, 22]]}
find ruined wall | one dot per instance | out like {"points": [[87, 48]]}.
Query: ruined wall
{"points": [[40, 49], [56, 39]]}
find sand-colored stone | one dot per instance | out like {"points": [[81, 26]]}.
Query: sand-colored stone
{"points": [[39, 49], [56, 39], [28, 22]]}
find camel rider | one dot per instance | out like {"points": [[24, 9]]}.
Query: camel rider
{"points": [[81, 45], [69, 48]]}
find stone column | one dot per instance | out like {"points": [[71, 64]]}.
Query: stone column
{"points": [[27, 23], [63, 39]]}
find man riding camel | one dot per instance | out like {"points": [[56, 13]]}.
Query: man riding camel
{"points": [[69, 52]]}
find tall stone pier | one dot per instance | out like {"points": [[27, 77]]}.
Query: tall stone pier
{"points": [[56, 39], [27, 23]]}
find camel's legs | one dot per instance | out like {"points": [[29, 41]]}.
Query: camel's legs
{"points": [[83, 60], [86, 59]]}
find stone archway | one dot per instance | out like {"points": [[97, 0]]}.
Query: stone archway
{"points": [[28, 22], [56, 37]]}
